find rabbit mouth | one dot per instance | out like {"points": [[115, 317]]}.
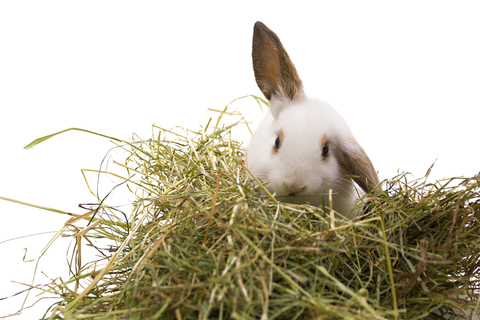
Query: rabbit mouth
{"points": [[293, 194], [294, 188]]}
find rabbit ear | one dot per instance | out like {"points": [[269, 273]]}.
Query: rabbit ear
{"points": [[274, 71], [355, 161]]}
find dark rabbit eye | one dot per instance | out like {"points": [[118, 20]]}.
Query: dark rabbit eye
{"points": [[325, 150], [277, 143]]}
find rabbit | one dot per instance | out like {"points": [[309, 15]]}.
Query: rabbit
{"points": [[303, 147]]}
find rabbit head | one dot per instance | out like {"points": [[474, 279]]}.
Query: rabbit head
{"points": [[303, 147]]}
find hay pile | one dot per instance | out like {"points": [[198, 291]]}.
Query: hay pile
{"points": [[202, 243]]}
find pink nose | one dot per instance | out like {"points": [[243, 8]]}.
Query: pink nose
{"points": [[294, 187]]}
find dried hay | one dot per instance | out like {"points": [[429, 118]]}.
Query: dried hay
{"points": [[203, 243]]}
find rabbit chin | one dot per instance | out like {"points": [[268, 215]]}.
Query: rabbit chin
{"points": [[342, 203]]}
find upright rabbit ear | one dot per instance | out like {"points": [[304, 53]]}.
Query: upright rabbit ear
{"points": [[355, 161], [274, 71]]}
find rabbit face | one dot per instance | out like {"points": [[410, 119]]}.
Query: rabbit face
{"points": [[303, 161]]}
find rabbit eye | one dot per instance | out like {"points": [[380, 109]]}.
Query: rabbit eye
{"points": [[277, 143], [325, 150]]}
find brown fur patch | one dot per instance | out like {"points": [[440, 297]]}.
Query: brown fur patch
{"points": [[323, 141], [355, 161], [273, 152], [274, 71], [280, 135]]}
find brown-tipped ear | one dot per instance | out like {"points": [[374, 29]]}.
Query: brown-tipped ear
{"points": [[274, 71], [355, 161]]}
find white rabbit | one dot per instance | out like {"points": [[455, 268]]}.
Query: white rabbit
{"points": [[303, 147]]}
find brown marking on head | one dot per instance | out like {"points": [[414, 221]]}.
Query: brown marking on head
{"points": [[274, 71], [323, 141], [280, 136]]}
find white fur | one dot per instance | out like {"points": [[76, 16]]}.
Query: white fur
{"points": [[299, 159]]}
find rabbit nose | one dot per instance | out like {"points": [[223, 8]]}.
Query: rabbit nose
{"points": [[294, 187]]}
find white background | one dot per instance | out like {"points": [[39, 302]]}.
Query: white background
{"points": [[405, 75]]}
